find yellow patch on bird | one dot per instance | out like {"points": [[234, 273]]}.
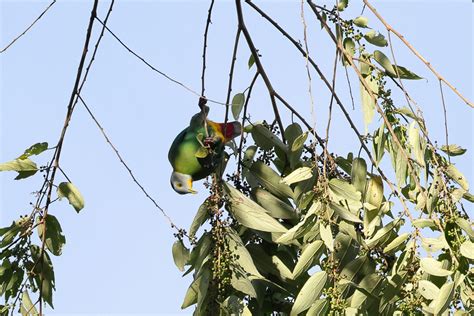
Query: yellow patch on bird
{"points": [[216, 128]]}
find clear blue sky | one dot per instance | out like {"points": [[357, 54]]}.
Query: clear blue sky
{"points": [[118, 253]]}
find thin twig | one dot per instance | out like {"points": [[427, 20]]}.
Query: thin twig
{"points": [[154, 68], [57, 153], [29, 27], [244, 116], [259, 65], [350, 88], [204, 48], [417, 54], [122, 161], [445, 119], [231, 73], [308, 73], [330, 112]]}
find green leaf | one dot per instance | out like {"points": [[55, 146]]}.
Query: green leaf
{"points": [[382, 233], [468, 196], [374, 192], [465, 225], [309, 293], [445, 297], [361, 21], [250, 214], [342, 4], [251, 61], [404, 73], [270, 180], [308, 256], [453, 150], [273, 205], [238, 102], [368, 104], [265, 139], [434, 267], [383, 61], [70, 192], [423, 222], [467, 249], [201, 216], [343, 213], [326, 236], [320, 307], [416, 144], [368, 287], [27, 307], [427, 289], [242, 283], [457, 176], [300, 174], [299, 142], [25, 167], [35, 149], [180, 254], [55, 239], [396, 243], [375, 38], [359, 174], [349, 47], [242, 255]]}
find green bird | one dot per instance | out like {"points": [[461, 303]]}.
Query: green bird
{"points": [[195, 154]]}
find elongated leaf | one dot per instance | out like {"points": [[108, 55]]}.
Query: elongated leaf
{"points": [[344, 213], [265, 139], [341, 190], [273, 205], [251, 61], [309, 293], [423, 222], [381, 233], [250, 214], [361, 21], [359, 174], [299, 142], [415, 143], [320, 307], [434, 267], [465, 225], [404, 73], [349, 47], [35, 149], [427, 289], [453, 150], [457, 176], [368, 104], [69, 191], [375, 38], [242, 255], [442, 301], [396, 243], [270, 180], [237, 104], [27, 307], [307, 257], [180, 254], [374, 192], [300, 174], [201, 216], [367, 288], [467, 249], [326, 236], [18, 165], [54, 238], [384, 62]]}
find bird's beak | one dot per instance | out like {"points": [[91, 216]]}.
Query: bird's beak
{"points": [[190, 187]]}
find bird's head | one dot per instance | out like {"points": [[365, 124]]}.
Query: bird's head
{"points": [[182, 183]]}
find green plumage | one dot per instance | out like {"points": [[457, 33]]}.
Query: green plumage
{"points": [[182, 154]]}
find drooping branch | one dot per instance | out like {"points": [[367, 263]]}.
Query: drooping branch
{"points": [[204, 48], [417, 54]]}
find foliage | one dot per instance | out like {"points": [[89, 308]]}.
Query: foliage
{"points": [[294, 229]]}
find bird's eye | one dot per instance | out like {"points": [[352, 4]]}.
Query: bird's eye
{"points": [[178, 184]]}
